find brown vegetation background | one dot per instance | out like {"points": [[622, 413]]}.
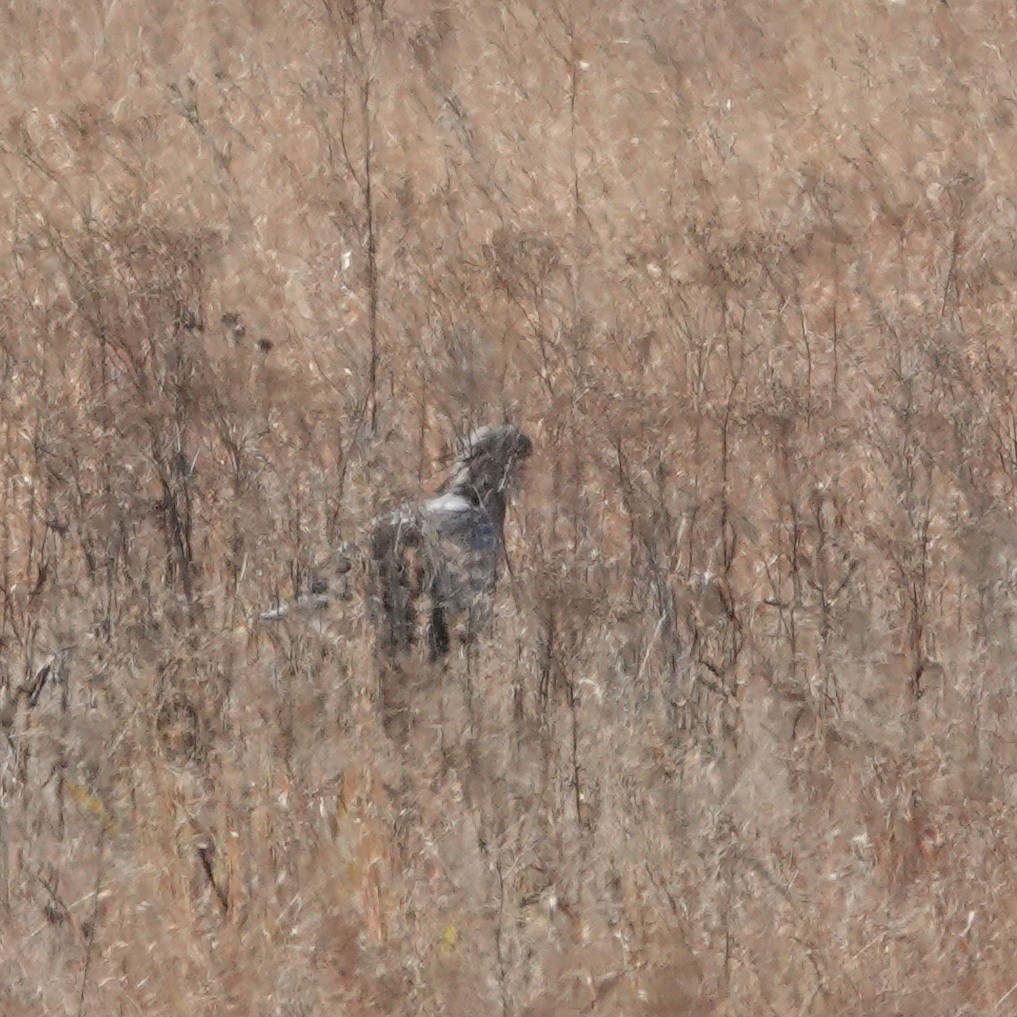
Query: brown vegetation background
{"points": [[744, 739]]}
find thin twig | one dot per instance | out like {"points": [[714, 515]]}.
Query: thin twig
{"points": [[90, 931]]}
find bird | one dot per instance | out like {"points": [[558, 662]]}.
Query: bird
{"points": [[435, 561]]}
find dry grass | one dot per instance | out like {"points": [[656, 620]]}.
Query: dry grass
{"points": [[743, 741]]}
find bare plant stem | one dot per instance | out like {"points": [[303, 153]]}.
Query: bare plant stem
{"points": [[90, 931]]}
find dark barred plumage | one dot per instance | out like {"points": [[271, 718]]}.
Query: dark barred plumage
{"points": [[442, 554]]}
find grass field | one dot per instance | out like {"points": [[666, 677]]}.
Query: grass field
{"points": [[743, 740]]}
